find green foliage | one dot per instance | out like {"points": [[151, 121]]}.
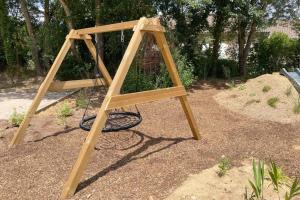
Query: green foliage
{"points": [[63, 112], [16, 118], [81, 100], [258, 179], [223, 166], [294, 190], [278, 181], [266, 88], [273, 101]]}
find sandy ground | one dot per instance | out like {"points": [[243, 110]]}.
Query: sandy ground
{"points": [[148, 162], [20, 98], [249, 99], [207, 185]]}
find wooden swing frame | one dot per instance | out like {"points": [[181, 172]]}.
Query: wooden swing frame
{"points": [[113, 98]]}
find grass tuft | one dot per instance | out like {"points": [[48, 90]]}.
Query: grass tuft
{"points": [[297, 107], [273, 101], [266, 88], [288, 91], [15, 119]]}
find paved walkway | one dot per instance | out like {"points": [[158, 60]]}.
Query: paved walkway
{"points": [[21, 98]]}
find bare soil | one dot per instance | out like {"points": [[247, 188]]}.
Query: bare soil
{"points": [[250, 99], [147, 162]]}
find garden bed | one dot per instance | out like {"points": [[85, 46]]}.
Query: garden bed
{"points": [[268, 97], [148, 162]]}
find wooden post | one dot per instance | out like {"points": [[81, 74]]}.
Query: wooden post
{"points": [[42, 91], [86, 150], [170, 64]]}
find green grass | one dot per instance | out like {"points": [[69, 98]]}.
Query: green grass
{"points": [[297, 107], [266, 88], [63, 112], [288, 91], [16, 118], [273, 101], [81, 100]]}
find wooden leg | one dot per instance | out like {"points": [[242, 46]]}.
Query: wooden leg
{"points": [[170, 64], [190, 117], [84, 155], [41, 93]]}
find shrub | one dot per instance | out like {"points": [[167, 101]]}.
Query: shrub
{"points": [[63, 112], [273, 101], [16, 118], [224, 166]]}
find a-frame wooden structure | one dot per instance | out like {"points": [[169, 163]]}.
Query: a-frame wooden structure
{"points": [[113, 97]]}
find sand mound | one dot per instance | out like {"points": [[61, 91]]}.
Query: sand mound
{"points": [[251, 98]]}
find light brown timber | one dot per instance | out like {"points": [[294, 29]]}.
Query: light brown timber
{"points": [[75, 84]]}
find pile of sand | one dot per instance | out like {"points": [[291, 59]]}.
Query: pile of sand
{"points": [[250, 99]]}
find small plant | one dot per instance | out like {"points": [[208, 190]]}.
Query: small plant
{"points": [[297, 107], [242, 87], [81, 100], [294, 190], [16, 118], [231, 85], [63, 112], [288, 91], [273, 101], [224, 166], [266, 88], [277, 178]]}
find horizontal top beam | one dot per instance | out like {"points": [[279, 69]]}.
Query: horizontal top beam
{"points": [[108, 28]]}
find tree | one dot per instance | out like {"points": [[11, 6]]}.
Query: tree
{"points": [[71, 26], [34, 43], [255, 14], [99, 36]]}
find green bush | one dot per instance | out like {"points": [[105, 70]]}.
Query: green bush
{"points": [[15, 119]]}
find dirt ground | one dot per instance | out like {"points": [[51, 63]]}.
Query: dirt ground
{"points": [[249, 98], [148, 162]]}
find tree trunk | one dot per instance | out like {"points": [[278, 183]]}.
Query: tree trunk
{"points": [[99, 36], [217, 33], [244, 49], [70, 26], [47, 50], [34, 45]]}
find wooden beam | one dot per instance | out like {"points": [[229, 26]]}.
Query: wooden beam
{"points": [[101, 65], [108, 28], [153, 28], [41, 92], [89, 143], [74, 84], [146, 96], [76, 36]]}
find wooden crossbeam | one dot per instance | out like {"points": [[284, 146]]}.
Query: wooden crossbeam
{"points": [[108, 28], [75, 84], [146, 96], [153, 28]]}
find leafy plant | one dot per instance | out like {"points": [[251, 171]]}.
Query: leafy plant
{"points": [[224, 166], [288, 91], [63, 112], [16, 118], [266, 88], [294, 190], [258, 182], [273, 101]]}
